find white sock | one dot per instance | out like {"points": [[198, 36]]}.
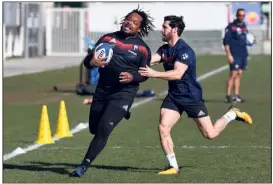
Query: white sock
{"points": [[229, 116], [172, 160]]}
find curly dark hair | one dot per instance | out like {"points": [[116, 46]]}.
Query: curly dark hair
{"points": [[146, 24]]}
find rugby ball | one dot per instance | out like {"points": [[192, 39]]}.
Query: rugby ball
{"points": [[104, 50], [250, 39]]}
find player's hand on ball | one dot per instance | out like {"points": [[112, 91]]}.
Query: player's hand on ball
{"points": [[230, 59], [100, 62], [147, 72], [125, 77]]}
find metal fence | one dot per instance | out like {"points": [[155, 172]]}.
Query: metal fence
{"points": [[22, 29], [66, 28]]}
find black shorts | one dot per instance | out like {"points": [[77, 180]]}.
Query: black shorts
{"points": [[240, 63], [108, 107], [193, 109]]}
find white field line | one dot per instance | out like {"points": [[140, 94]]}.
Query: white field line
{"points": [[82, 126]]}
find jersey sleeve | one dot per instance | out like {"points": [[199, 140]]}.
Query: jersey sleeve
{"points": [[160, 52], [145, 56], [145, 59], [227, 38], [184, 56]]}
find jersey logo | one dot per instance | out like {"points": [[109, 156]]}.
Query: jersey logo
{"points": [[113, 40], [135, 47], [185, 56], [239, 31], [132, 52]]}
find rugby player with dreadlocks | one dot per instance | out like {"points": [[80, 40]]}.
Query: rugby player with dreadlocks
{"points": [[119, 81]]}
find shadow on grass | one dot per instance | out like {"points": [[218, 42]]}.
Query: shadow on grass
{"points": [[62, 168]]}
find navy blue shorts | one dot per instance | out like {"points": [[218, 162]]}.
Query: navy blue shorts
{"points": [[193, 109], [239, 63]]}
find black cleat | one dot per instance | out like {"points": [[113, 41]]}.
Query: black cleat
{"points": [[229, 99], [239, 99], [78, 172]]}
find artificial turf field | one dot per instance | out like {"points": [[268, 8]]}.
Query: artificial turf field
{"points": [[242, 153]]}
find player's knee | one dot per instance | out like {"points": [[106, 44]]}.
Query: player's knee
{"points": [[164, 130], [240, 73], [210, 135], [104, 131]]}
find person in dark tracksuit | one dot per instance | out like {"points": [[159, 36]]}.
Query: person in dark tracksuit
{"points": [[119, 81], [235, 44]]}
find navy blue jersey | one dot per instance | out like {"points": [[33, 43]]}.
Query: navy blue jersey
{"points": [[235, 37], [187, 89]]}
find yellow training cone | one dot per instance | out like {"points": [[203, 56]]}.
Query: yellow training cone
{"points": [[44, 134], [62, 125]]}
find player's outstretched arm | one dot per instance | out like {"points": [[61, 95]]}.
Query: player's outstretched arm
{"points": [[156, 58], [175, 74]]}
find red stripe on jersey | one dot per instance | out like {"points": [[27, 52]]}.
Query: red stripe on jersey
{"points": [[144, 51], [118, 43], [106, 39], [123, 46], [233, 28]]}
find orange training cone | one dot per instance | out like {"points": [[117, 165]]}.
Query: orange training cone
{"points": [[44, 134], [62, 125]]}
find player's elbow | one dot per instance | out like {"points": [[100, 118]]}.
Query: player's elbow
{"points": [[87, 61], [178, 75]]}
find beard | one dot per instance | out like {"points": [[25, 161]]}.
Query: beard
{"points": [[127, 34], [166, 37]]}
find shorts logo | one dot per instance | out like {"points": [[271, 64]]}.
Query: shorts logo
{"points": [[111, 123], [236, 66], [125, 107], [201, 113]]}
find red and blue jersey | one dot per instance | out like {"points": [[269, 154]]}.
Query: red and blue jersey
{"points": [[235, 37]]}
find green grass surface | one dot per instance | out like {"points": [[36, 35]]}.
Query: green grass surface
{"points": [[241, 153]]}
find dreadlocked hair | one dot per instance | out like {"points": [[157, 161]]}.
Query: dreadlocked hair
{"points": [[146, 24]]}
